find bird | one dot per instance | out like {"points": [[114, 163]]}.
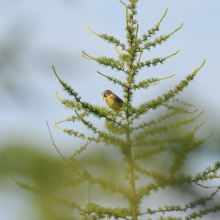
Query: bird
{"points": [[112, 100]]}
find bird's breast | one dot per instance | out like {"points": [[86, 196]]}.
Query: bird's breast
{"points": [[111, 103]]}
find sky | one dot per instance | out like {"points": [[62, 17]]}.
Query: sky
{"points": [[35, 35]]}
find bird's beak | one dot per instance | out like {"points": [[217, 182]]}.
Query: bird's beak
{"points": [[103, 96]]}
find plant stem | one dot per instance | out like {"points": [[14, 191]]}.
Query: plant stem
{"points": [[132, 178], [133, 202]]}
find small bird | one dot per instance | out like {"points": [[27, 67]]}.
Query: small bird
{"points": [[112, 100]]}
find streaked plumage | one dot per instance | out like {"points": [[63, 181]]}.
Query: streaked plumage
{"points": [[112, 100]]}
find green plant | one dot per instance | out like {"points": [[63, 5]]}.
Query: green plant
{"points": [[138, 142]]}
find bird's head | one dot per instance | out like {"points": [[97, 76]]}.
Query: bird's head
{"points": [[106, 93]]}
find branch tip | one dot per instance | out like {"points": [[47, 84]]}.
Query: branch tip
{"points": [[83, 201], [123, 3], [55, 73], [162, 17], [167, 77], [93, 31], [175, 30], [58, 97], [117, 51], [139, 56], [86, 56], [57, 126]]}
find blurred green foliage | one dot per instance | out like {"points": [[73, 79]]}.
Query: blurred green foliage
{"points": [[55, 179]]}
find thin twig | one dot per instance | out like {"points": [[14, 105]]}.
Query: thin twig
{"points": [[61, 154], [205, 186]]}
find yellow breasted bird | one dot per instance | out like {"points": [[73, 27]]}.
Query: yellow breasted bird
{"points": [[112, 100]]}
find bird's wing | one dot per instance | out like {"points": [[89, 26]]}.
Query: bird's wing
{"points": [[119, 101]]}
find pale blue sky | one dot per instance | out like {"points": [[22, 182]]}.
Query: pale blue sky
{"points": [[35, 35]]}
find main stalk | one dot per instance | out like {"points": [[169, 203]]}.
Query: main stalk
{"points": [[133, 202], [131, 171]]}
